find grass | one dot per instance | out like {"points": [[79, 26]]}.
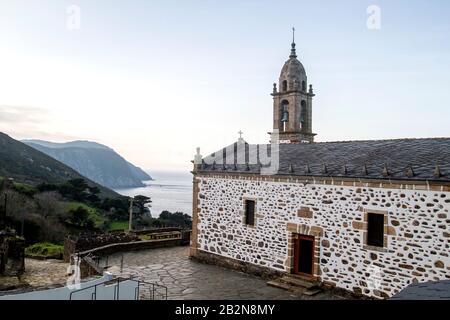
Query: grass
{"points": [[93, 214], [118, 225], [22, 188], [25, 189], [45, 250]]}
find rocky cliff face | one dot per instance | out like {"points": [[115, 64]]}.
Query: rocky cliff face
{"points": [[95, 161], [28, 165]]}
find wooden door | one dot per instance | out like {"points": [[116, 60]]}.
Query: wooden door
{"points": [[304, 255]]}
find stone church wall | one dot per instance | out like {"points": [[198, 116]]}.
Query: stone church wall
{"points": [[416, 230]]}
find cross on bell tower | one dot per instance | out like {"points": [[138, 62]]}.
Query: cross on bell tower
{"points": [[292, 102]]}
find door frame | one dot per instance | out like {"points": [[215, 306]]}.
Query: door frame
{"points": [[297, 238]]}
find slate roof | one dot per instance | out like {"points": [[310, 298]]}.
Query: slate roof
{"points": [[399, 159], [439, 290]]}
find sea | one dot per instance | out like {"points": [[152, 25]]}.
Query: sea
{"points": [[169, 190]]}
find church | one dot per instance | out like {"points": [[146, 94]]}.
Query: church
{"points": [[367, 217]]}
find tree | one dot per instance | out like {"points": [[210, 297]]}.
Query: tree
{"points": [[79, 217], [118, 208], [93, 195], [142, 203], [49, 204], [77, 189], [49, 214], [177, 219], [48, 187], [18, 206]]}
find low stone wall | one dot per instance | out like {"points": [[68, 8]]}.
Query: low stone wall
{"points": [[88, 248], [12, 255], [185, 235], [89, 268], [87, 242], [130, 246], [156, 230]]}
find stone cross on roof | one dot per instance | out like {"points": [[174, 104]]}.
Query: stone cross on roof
{"points": [[240, 136]]}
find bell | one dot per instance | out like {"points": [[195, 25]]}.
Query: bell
{"points": [[285, 117]]}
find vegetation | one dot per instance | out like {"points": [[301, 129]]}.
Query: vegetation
{"points": [[118, 225], [48, 200], [117, 208], [168, 219], [141, 203], [45, 214], [177, 219], [25, 189], [28, 165], [82, 215], [45, 250], [49, 211], [75, 189], [165, 219]]}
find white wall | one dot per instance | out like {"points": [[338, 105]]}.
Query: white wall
{"points": [[419, 220], [127, 290]]}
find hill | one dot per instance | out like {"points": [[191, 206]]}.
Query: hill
{"points": [[28, 165], [95, 161]]}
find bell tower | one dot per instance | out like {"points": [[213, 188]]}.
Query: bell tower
{"points": [[292, 102]]}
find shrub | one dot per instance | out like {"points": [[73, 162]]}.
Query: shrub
{"points": [[25, 189], [45, 250]]}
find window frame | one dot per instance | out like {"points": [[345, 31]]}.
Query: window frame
{"points": [[245, 219], [386, 232], [375, 232]]}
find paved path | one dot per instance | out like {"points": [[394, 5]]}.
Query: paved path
{"points": [[187, 279], [38, 273], [42, 273]]}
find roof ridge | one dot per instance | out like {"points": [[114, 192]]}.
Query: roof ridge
{"points": [[393, 139]]}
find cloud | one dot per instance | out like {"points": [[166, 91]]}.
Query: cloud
{"points": [[28, 122], [21, 115]]}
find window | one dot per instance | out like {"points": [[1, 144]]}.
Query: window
{"points": [[303, 114], [284, 115], [250, 212], [375, 229], [284, 87], [303, 86]]}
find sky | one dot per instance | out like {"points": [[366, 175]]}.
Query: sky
{"points": [[156, 79]]}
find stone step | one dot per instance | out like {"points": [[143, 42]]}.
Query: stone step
{"points": [[299, 282], [312, 292], [282, 285], [279, 284]]}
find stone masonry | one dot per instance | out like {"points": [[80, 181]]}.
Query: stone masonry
{"points": [[416, 245]]}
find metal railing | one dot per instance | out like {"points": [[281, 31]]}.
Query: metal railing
{"points": [[152, 287], [94, 294], [97, 261]]}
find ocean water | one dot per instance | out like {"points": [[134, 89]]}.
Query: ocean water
{"points": [[169, 190]]}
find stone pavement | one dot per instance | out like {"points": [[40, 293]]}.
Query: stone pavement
{"points": [[38, 273], [187, 279], [43, 273]]}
